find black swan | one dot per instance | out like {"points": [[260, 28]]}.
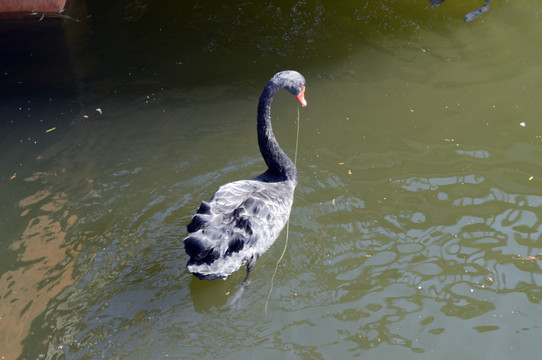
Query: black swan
{"points": [[243, 218]]}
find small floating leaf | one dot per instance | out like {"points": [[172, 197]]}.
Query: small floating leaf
{"points": [[51, 129]]}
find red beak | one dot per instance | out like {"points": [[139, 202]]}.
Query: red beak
{"points": [[301, 97]]}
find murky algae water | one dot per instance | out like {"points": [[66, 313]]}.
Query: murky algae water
{"points": [[415, 230]]}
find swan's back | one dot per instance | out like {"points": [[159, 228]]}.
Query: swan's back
{"points": [[240, 223]]}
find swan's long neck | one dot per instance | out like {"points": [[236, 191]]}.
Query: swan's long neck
{"points": [[277, 161]]}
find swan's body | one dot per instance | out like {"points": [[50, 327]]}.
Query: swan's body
{"points": [[243, 218]]}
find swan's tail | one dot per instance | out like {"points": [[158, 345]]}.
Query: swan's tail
{"points": [[215, 251], [218, 268], [198, 245]]}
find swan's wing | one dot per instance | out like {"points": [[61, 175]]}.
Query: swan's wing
{"points": [[240, 222]]}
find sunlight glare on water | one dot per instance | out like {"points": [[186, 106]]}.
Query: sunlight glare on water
{"points": [[414, 230]]}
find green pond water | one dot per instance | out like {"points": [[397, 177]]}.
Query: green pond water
{"points": [[416, 228]]}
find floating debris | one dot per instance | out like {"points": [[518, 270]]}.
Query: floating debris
{"points": [[528, 258], [51, 129]]}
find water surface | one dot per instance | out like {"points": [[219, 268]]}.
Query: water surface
{"points": [[414, 231]]}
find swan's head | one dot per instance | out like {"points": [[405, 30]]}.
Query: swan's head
{"points": [[294, 82]]}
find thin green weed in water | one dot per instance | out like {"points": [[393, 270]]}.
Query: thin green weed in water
{"points": [[287, 224]]}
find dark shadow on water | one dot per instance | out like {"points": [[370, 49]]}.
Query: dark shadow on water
{"points": [[225, 295], [208, 295], [139, 47]]}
